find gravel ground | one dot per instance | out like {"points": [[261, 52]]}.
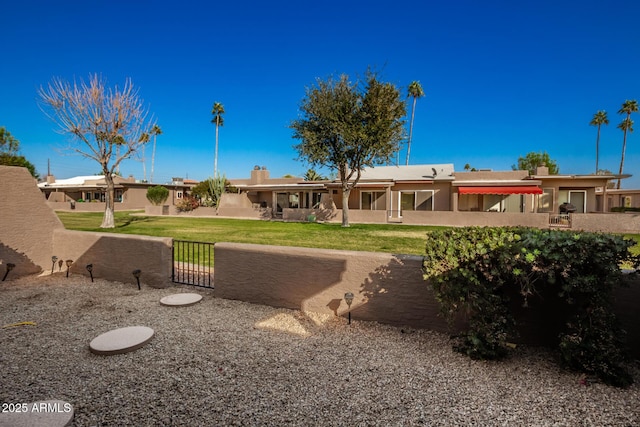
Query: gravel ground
{"points": [[223, 362]]}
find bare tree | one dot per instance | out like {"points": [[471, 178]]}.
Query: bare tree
{"points": [[106, 125]]}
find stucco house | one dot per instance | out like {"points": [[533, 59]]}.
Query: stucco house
{"points": [[433, 194], [428, 194], [87, 193], [623, 198]]}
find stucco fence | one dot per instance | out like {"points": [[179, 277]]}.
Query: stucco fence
{"points": [[116, 256], [31, 234], [388, 288], [92, 206]]}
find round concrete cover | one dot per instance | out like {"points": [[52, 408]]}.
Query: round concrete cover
{"points": [[181, 299], [48, 413], [121, 340]]}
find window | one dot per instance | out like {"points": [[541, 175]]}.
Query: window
{"points": [[545, 200], [311, 199], [579, 200], [373, 200], [416, 200], [294, 200], [179, 194]]}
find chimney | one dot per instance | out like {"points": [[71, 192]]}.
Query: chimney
{"points": [[51, 179], [542, 170], [259, 176]]}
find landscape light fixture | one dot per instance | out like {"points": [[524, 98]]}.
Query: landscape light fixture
{"points": [[348, 297], [60, 265], [53, 263], [136, 274], [90, 270], [69, 262], [10, 267]]}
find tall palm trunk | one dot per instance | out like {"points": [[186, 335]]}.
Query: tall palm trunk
{"points": [[215, 158], [144, 166], [597, 149], [413, 113], [153, 156], [624, 148]]}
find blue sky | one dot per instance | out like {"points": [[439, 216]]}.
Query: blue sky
{"points": [[502, 78]]}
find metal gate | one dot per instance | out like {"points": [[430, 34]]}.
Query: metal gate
{"points": [[192, 263]]}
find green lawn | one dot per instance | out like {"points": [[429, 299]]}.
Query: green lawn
{"points": [[392, 238], [400, 239]]}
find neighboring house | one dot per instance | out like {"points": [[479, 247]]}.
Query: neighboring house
{"points": [[621, 198], [416, 194], [263, 197], [87, 193], [429, 194]]}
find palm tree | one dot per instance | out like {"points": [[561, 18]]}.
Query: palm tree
{"points": [[628, 107], [155, 131], [312, 175], [600, 118], [217, 111], [415, 91], [144, 138]]}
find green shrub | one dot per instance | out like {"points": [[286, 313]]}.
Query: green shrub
{"points": [[210, 191], [187, 204], [157, 195], [477, 269], [624, 209]]}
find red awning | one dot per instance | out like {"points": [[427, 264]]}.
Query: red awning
{"points": [[520, 189]]}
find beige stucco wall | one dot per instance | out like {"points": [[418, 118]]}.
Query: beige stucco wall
{"points": [[31, 233], [303, 214], [235, 200], [26, 223], [115, 256], [388, 288], [94, 206], [610, 222], [156, 210]]}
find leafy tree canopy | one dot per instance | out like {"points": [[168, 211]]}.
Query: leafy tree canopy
{"points": [[8, 144], [9, 152], [532, 160], [157, 195], [347, 126], [21, 161]]}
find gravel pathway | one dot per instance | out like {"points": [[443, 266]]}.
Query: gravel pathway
{"points": [[223, 362]]}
